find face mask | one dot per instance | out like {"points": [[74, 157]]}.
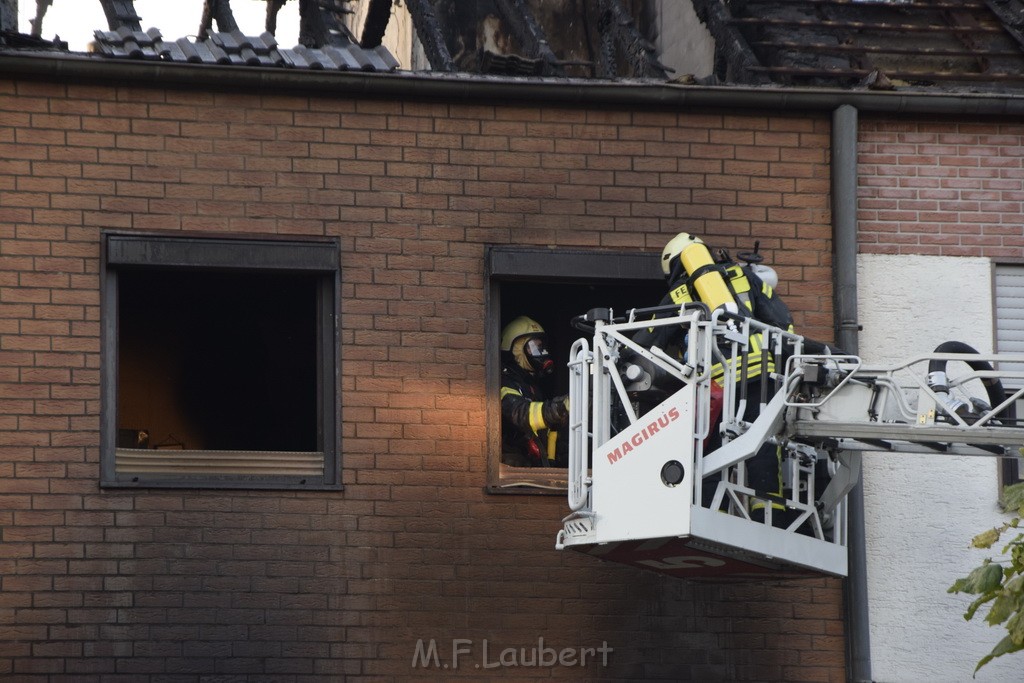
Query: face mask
{"points": [[536, 352]]}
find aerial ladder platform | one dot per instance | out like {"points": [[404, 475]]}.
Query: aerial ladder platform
{"points": [[645, 489]]}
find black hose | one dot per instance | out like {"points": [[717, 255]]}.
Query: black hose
{"points": [[993, 385]]}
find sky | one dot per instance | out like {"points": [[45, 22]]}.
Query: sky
{"points": [[75, 20]]}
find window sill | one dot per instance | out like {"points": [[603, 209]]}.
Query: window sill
{"points": [[538, 481], [175, 468]]}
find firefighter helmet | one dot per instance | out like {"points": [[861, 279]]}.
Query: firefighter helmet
{"points": [[525, 339], [675, 247], [687, 255]]}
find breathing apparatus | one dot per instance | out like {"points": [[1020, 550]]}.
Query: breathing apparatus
{"points": [[525, 339], [687, 253]]}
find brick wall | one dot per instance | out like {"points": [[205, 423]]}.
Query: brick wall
{"points": [[169, 585], [941, 187]]}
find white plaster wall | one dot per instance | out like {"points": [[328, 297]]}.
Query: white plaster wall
{"points": [[921, 511], [683, 42]]}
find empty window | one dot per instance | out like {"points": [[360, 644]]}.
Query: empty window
{"points": [[219, 362], [552, 286]]}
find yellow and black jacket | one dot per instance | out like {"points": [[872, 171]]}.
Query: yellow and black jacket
{"points": [[529, 423]]}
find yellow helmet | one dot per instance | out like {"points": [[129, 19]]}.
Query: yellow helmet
{"points": [[525, 339], [520, 327], [674, 248]]}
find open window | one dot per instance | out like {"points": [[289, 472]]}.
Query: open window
{"points": [[552, 286], [219, 363]]}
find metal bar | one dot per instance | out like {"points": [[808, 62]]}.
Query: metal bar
{"points": [[579, 425], [910, 434]]}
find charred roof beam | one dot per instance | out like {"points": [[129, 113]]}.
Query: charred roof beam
{"points": [[319, 25], [862, 60], [378, 15], [734, 60], [121, 13], [857, 25], [273, 7], [219, 10], [962, 20], [1011, 14], [37, 23], [829, 48], [639, 52], [428, 29], [529, 33]]}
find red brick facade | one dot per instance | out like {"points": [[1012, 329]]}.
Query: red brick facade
{"points": [[941, 187], [279, 586]]}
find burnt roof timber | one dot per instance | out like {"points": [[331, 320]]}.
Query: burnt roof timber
{"points": [[121, 13], [882, 4], [963, 19], [1002, 11], [428, 29], [37, 22], [378, 16], [862, 61], [219, 11], [732, 53], [877, 49], [529, 33], [863, 25], [639, 52], [273, 7]]}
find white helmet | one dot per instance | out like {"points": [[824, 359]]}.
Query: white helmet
{"points": [[674, 248]]}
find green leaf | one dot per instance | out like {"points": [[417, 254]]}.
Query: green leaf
{"points": [[1003, 647], [973, 607], [1002, 607], [1013, 498], [1015, 626], [985, 539], [987, 577]]}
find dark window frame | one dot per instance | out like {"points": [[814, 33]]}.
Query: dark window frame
{"points": [[184, 252], [508, 264]]}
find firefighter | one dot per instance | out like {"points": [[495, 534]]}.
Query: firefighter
{"points": [[693, 275], [529, 422]]}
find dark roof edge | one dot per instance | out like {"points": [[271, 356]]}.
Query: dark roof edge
{"points": [[427, 85]]}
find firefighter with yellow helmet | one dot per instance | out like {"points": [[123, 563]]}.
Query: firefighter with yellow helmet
{"points": [[745, 290], [529, 422]]}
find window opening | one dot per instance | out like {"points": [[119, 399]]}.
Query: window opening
{"points": [[219, 363], [552, 286]]}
